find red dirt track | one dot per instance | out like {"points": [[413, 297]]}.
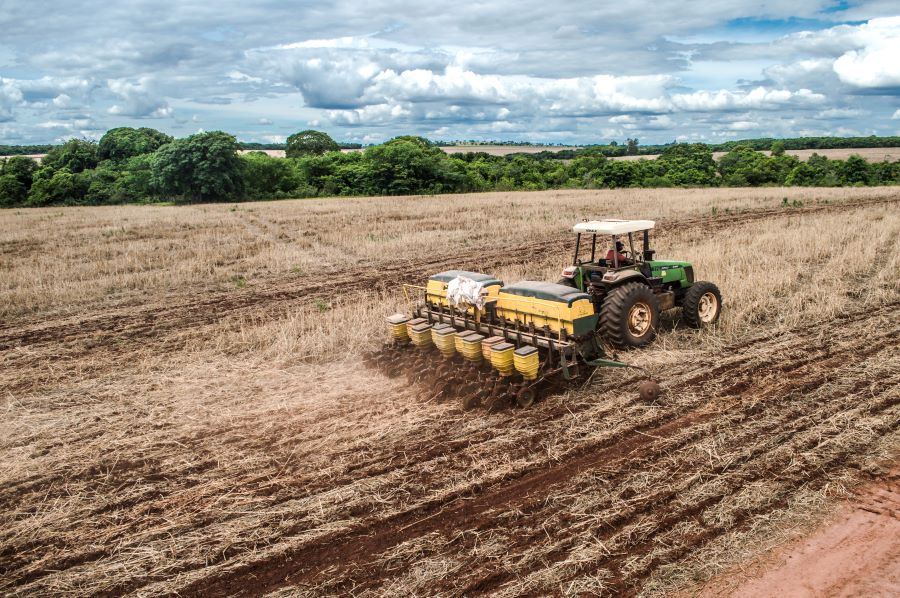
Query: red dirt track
{"points": [[856, 553]]}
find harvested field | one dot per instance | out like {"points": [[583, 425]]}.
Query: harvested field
{"points": [[502, 150], [872, 154], [186, 411]]}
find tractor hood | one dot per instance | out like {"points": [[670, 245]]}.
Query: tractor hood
{"points": [[666, 264], [672, 271]]}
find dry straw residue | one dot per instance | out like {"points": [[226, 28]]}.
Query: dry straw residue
{"points": [[186, 412]]}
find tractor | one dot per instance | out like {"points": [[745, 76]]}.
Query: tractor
{"points": [[471, 335], [630, 288]]}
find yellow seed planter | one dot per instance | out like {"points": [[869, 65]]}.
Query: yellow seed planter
{"points": [[397, 324], [502, 358], [527, 362], [471, 347], [421, 335], [442, 336]]}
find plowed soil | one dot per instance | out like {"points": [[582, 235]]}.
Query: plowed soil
{"points": [[142, 453]]}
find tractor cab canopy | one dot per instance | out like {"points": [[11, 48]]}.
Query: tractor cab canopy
{"points": [[613, 229]]}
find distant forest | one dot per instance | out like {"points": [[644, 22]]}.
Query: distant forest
{"points": [[144, 165]]}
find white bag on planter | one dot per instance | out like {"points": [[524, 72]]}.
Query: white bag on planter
{"points": [[462, 290]]}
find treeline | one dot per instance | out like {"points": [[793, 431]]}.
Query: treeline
{"points": [[632, 147], [144, 165], [24, 150], [813, 143]]}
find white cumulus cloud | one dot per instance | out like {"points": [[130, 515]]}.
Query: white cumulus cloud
{"points": [[138, 99], [877, 63], [523, 69]]}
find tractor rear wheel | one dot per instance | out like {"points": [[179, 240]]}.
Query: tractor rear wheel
{"points": [[702, 305], [629, 316]]}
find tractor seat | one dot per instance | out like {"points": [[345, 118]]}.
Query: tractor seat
{"points": [[547, 291]]}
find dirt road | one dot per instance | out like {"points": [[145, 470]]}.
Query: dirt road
{"points": [[855, 553]]}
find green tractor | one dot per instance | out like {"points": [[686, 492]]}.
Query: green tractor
{"points": [[630, 288]]}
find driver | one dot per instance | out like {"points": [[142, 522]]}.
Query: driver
{"points": [[617, 254]]}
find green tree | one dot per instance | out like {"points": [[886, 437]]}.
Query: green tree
{"points": [[855, 171], [632, 147], [12, 191], [650, 173], [689, 164], [268, 177], [817, 171], [586, 163], [884, 173], [125, 142], [406, 165], [201, 167], [102, 182], [615, 174], [75, 155], [743, 166], [778, 148], [55, 187], [134, 182], [328, 174], [310, 143], [20, 167]]}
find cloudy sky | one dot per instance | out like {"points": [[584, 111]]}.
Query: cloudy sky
{"points": [[531, 70]]}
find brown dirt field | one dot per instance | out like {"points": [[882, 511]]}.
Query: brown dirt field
{"points": [[872, 154], [502, 150], [855, 553], [191, 435]]}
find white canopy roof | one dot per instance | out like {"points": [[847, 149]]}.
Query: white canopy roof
{"points": [[612, 227]]}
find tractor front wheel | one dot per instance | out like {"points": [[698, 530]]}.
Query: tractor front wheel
{"points": [[629, 316], [702, 305]]}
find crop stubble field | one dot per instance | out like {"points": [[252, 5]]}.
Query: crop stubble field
{"points": [[186, 412], [872, 154]]}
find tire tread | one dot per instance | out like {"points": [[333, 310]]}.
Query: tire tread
{"points": [[614, 312], [691, 303]]}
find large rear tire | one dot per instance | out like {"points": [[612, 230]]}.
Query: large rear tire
{"points": [[702, 305], [629, 316]]}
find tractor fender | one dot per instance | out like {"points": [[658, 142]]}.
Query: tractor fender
{"points": [[626, 276]]}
